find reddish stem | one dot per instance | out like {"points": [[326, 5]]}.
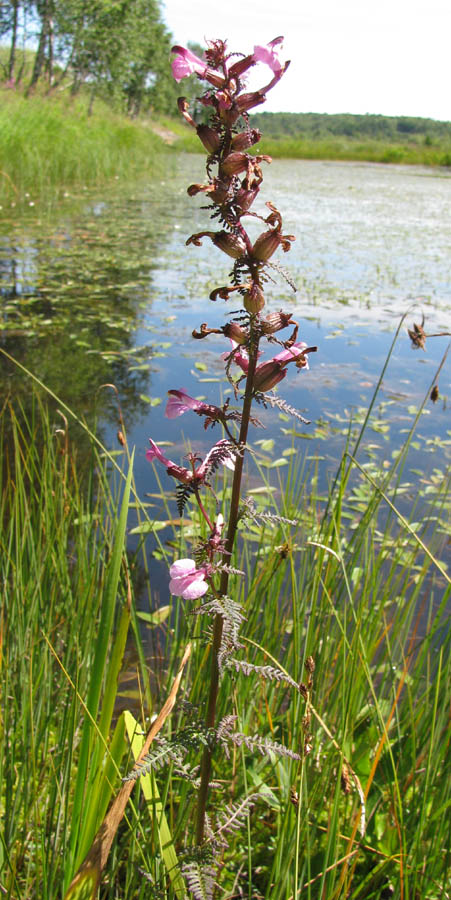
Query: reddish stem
{"points": [[219, 622]]}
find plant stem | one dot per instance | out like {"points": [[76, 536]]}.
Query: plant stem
{"points": [[218, 624]]}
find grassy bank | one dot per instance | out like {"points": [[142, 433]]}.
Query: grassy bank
{"points": [[49, 145], [336, 149], [351, 583], [358, 151]]}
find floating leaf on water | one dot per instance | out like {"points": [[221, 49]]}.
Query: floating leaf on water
{"points": [[266, 444], [265, 489], [149, 527], [155, 618], [277, 463], [152, 401], [200, 366]]}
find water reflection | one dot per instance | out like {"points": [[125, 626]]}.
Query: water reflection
{"points": [[105, 290]]}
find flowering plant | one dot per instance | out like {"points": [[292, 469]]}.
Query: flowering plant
{"points": [[234, 178]]}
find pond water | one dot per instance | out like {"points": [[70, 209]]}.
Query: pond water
{"points": [[102, 289]]}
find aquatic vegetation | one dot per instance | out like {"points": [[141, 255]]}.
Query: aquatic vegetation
{"points": [[315, 616]]}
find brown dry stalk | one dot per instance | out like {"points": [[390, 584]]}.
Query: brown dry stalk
{"points": [[97, 856]]}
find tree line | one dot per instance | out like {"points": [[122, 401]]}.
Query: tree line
{"points": [[319, 126], [117, 49]]}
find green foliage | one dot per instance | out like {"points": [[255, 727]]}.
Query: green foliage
{"points": [[349, 584], [47, 146], [322, 126], [386, 139], [344, 149], [62, 551], [119, 50]]}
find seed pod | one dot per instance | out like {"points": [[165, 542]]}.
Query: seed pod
{"points": [[235, 333], [275, 322], [209, 138], [254, 300], [235, 163], [266, 245], [246, 139], [230, 244]]}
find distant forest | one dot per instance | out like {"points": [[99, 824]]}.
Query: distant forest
{"points": [[320, 126]]}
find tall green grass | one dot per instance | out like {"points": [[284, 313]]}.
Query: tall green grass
{"points": [[360, 591], [49, 145]]}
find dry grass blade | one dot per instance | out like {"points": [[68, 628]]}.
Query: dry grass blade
{"points": [[98, 854]]}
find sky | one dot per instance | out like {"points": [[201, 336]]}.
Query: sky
{"points": [[389, 57]]}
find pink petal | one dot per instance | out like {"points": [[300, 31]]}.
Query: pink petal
{"points": [[182, 567], [154, 452], [291, 353], [186, 63], [187, 581], [269, 56], [179, 402], [195, 590]]}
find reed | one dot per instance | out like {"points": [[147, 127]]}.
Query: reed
{"points": [[49, 145], [355, 591]]}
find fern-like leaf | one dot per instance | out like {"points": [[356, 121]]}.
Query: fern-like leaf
{"points": [[283, 272], [164, 752], [250, 509], [232, 614], [273, 400], [269, 673], [252, 742], [233, 817], [199, 868], [182, 493]]}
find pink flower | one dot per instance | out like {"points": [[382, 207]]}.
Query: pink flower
{"points": [[240, 356], [187, 581], [186, 63], [180, 472], [180, 402], [221, 452], [287, 355], [268, 374], [269, 55]]}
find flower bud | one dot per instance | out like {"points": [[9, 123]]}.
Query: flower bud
{"points": [[209, 138], [235, 333], [254, 300], [230, 244]]}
